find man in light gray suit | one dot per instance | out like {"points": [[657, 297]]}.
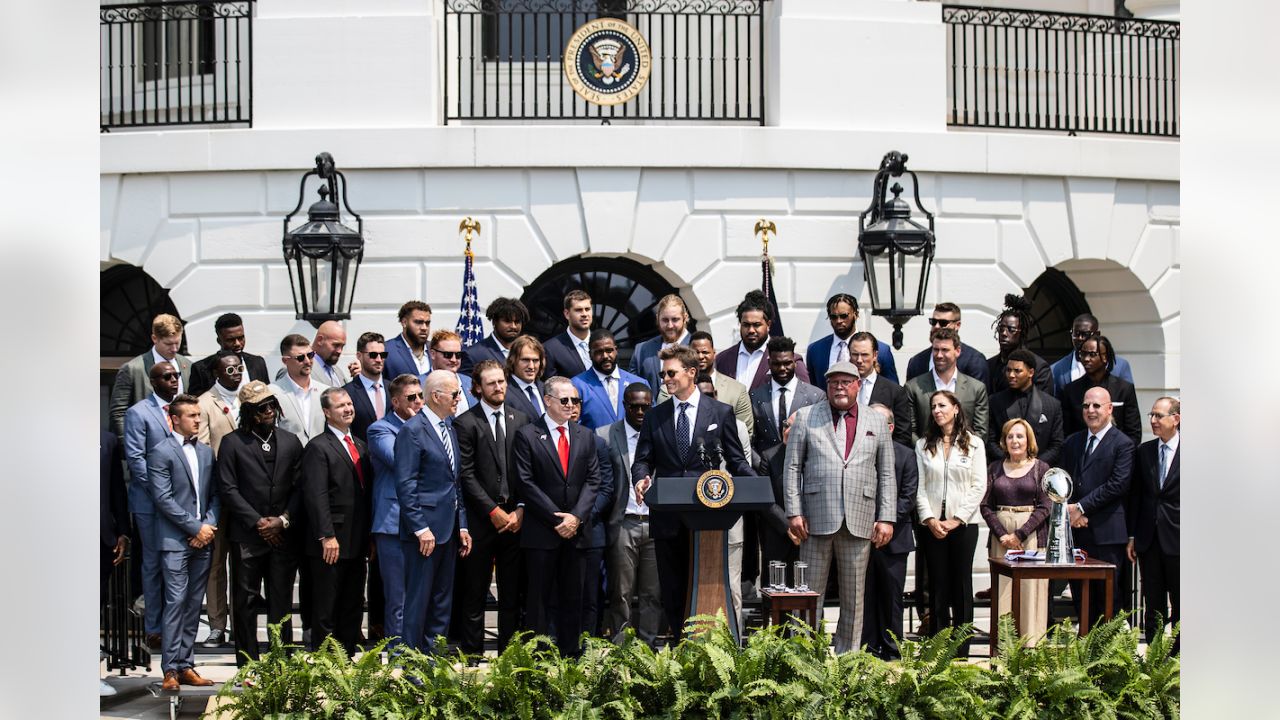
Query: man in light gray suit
{"points": [[133, 383], [945, 375], [298, 391], [841, 492]]}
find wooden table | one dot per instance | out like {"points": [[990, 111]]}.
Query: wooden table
{"points": [[1020, 570], [779, 604]]}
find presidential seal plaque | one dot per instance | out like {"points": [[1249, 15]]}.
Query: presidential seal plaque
{"points": [[607, 61], [715, 488]]}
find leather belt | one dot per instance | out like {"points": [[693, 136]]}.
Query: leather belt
{"points": [[637, 516], [1016, 508]]}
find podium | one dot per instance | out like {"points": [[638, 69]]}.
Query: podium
{"points": [[709, 511]]}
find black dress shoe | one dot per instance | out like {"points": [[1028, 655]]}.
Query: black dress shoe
{"points": [[217, 638]]}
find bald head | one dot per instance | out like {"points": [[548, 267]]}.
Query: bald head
{"points": [[1097, 408], [886, 412], [164, 380], [331, 338]]}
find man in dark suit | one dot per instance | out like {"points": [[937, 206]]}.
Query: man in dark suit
{"points": [[336, 475], [1154, 516], [1012, 328], [259, 468], [132, 381], [407, 351], [508, 317], [229, 329], [1069, 367], [368, 390], [971, 362], [446, 354], [673, 323], [945, 375], [568, 354], [557, 474], [774, 401], [600, 386], [113, 532], [1100, 461], [485, 436], [667, 448], [842, 313], [887, 567], [433, 518], [745, 360], [873, 387], [182, 483], [524, 366], [728, 391], [1097, 356], [594, 540], [1022, 399]]}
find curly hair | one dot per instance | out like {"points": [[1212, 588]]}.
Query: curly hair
{"points": [[1018, 308]]}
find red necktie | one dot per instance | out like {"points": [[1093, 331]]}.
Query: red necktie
{"points": [[355, 459], [563, 446]]}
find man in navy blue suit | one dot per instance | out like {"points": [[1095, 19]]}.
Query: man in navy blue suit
{"points": [[567, 352], [524, 368], [368, 390], [1100, 461], [887, 567], [971, 362], [446, 354], [508, 316], [182, 484], [433, 521], [673, 322], [1154, 515], [407, 352], [601, 385], [842, 313]]}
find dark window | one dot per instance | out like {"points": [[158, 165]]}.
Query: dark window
{"points": [[1055, 303], [520, 30], [130, 300]]}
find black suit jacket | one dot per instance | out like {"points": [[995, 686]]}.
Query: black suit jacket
{"points": [[480, 463], [907, 471], [1041, 405], [1127, 416], [335, 503], [249, 493], [486, 349], [364, 406], [1100, 484], [996, 380], [562, 358], [892, 395], [971, 363], [1153, 511], [202, 372], [727, 363], [112, 497], [767, 434], [656, 455], [545, 489]]}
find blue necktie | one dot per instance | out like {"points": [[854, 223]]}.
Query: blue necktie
{"points": [[682, 433], [534, 400], [1164, 455]]}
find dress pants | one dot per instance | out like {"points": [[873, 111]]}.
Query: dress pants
{"points": [[428, 592], [491, 551], [185, 573], [593, 576], [337, 601], [153, 591], [216, 590], [391, 567], [1116, 555], [673, 579], [377, 601], [555, 585], [276, 568], [633, 570], [851, 555], [1160, 576], [886, 578], [950, 563]]}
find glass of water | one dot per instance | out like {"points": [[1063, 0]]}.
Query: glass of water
{"points": [[801, 569], [777, 575]]}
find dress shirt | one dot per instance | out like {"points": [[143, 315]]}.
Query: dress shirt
{"points": [[368, 388], [423, 361], [489, 410], [773, 398], [231, 398], [1173, 450], [158, 358], [161, 403], [342, 436], [692, 411], [434, 421], [748, 363], [328, 373], [633, 436], [617, 382], [303, 396], [193, 466], [1099, 435], [524, 390], [503, 349], [867, 385], [584, 352], [835, 349], [555, 434], [1076, 368], [939, 385], [684, 340]]}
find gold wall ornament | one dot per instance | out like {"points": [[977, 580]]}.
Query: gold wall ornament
{"points": [[607, 61]]}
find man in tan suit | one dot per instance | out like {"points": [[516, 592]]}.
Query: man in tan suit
{"points": [[133, 381], [841, 493], [219, 412]]}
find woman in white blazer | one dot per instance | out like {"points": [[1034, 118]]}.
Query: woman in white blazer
{"points": [[953, 479]]}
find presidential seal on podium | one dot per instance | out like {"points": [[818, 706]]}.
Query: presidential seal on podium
{"points": [[714, 488]]}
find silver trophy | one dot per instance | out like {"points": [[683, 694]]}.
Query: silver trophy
{"points": [[1061, 550]]}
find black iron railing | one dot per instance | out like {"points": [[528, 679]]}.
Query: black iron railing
{"points": [[176, 63], [1058, 71], [503, 60]]}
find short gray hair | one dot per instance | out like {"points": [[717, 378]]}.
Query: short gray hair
{"points": [[553, 383]]}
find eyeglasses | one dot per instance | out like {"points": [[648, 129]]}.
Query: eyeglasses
{"points": [[376, 355], [567, 401], [1090, 353], [1094, 406], [841, 383], [1159, 416], [1007, 327], [940, 322], [838, 316], [671, 373], [301, 358], [415, 396], [170, 376], [234, 370]]}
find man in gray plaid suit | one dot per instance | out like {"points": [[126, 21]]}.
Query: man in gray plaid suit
{"points": [[841, 492]]}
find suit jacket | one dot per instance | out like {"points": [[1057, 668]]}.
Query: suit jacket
{"points": [[893, 396], [203, 377], [562, 357], [596, 533], [727, 363], [951, 488], [597, 412], [1127, 417], [830, 490], [1153, 512], [113, 499], [1044, 413], [484, 468], [656, 456], [614, 438], [291, 417], [486, 349], [145, 426], [907, 471], [764, 406], [819, 354], [518, 400], [1062, 371], [400, 360], [728, 391], [169, 478], [249, 493], [426, 482], [1100, 484], [334, 500], [133, 384], [971, 394], [645, 362], [217, 419], [546, 489], [971, 363], [996, 380], [365, 415], [382, 448]]}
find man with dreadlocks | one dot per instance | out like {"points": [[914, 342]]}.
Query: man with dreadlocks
{"points": [[1012, 328]]}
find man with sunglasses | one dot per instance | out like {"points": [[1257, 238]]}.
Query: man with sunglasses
{"points": [[368, 390], [842, 313], [229, 331], [299, 392], [1069, 367], [970, 362], [446, 354]]}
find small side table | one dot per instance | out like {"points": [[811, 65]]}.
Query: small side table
{"points": [[1020, 570], [780, 603]]}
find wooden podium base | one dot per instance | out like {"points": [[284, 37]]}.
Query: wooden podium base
{"points": [[709, 582]]}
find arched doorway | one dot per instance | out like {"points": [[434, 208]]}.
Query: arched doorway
{"points": [[1055, 303], [129, 300], [624, 292]]}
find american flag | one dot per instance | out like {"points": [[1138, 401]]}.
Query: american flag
{"points": [[766, 285], [470, 321]]}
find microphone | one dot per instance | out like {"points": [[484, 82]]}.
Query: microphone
{"points": [[716, 456], [702, 453]]}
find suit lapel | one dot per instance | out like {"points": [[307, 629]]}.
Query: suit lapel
{"points": [[1173, 476], [548, 440], [339, 447], [1034, 407], [668, 429], [176, 448], [618, 439]]}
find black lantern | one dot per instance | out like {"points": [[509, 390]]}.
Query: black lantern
{"points": [[896, 251], [323, 255]]}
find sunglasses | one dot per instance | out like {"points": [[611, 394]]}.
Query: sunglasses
{"points": [[638, 406], [376, 355], [453, 394], [448, 354], [170, 376], [301, 358], [567, 401], [1093, 406], [235, 370], [671, 373], [1084, 334], [415, 396], [838, 316], [940, 322]]}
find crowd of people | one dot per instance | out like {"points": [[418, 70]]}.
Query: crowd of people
{"points": [[407, 480]]}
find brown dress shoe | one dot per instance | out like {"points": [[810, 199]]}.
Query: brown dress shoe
{"points": [[170, 680], [153, 641], [189, 676]]}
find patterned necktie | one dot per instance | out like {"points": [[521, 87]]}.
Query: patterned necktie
{"points": [[1164, 455], [611, 388], [562, 447], [379, 407], [500, 438], [682, 433], [355, 458], [842, 354], [448, 446], [782, 408]]}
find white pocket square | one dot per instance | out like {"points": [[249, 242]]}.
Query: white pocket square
{"points": [[1043, 418], [712, 426]]}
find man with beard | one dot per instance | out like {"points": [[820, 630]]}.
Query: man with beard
{"points": [[601, 386], [219, 412], [407, 351], [745, 360], [508, 317], [673, 322], [728, 391]]}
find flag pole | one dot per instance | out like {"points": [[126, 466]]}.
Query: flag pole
{"points": [[765, 229], [470, 325]]}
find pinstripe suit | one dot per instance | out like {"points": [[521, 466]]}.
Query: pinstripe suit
{"points": [[841, 499]]}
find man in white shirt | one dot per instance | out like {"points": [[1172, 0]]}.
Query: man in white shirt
{"points": [[368, 389], [745, 361], [1155, 521], [219, 415], [298, 391], [945, 375]]}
